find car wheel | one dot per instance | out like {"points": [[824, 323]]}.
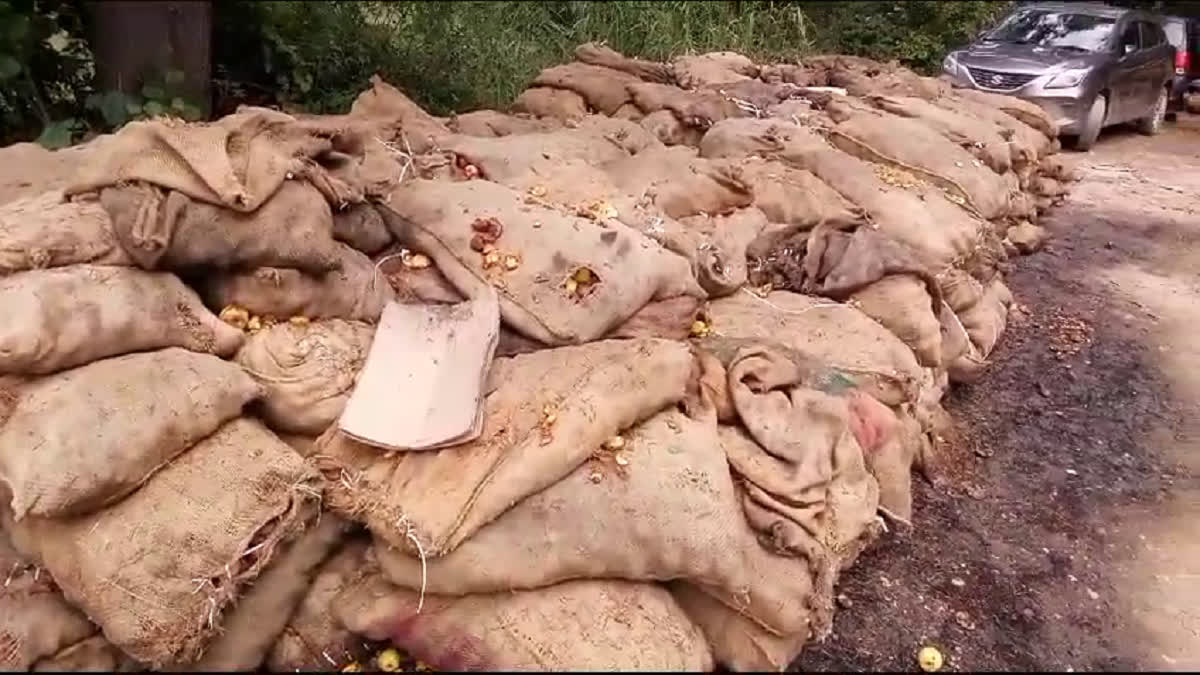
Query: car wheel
{"points": [[1153, 124], [1092, 124]]}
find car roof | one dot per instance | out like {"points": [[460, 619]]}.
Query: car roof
{"points": [[1087, 8]]}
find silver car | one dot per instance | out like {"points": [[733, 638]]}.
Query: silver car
{"points": [[1088, 65]]}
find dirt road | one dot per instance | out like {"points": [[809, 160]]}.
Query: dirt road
{"points": [[1065, 533]]}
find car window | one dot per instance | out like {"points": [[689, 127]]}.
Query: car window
{"points": [[1130, 37], [1176, 34], [1062, 30], [1151, 34]]}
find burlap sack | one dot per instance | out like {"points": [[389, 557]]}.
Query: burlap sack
{"points": [[1025, 111], [594, 139], [355, 292], [490, 123], [1058, 168], [394, 118], [559, 104], [602, 88], [314, 639], [720, 245], [304, 446], [903, 207], [577, 625], [861, 76], [561, 279], [35, 621], [250, 629], [1026, 143], [698, 109], [87, 437], [1027, 237], [914, 147], [544, 414], [680, 183], [45, 230], [237, 162], [168, 230], [795, 197], [662, 507], [793, 73], [64, 317], [737, 642], [838, 335], [1044, 186], [902, 304], [155, 570], [980, 137], [306, 371], [667, 128], [983, 324], [90, 655], [693, 72], [600, 55], [361, 227], [42, 170]]}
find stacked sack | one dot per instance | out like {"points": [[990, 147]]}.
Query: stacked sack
{"points": [[732, 297]]}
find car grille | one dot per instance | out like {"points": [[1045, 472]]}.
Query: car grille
{"points": [[993, 79]]}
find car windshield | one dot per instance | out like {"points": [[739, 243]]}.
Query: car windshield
{"points": [[1055, 29]]}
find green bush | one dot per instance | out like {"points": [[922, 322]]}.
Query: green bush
{"points": [[449, 56]]}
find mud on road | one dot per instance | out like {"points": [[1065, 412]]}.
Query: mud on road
{"points": [[1062, 530]]}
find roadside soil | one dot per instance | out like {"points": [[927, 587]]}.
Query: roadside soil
{"points": [[1063, 529]]}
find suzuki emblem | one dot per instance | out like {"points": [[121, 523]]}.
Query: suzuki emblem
{"points": [[997, 80]]}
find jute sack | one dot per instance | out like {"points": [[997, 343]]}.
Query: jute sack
{"points": [[35, 621], [250, 629], [561, 279], [237, 162], [737, 642], [396, 118], [552, 102], [45, 230], [157, 572], [902, 303], [695, 108], [662, 507], [362, 228], [93, 654], [595, 139], [42, 170], [902, 206], [795, 197], [680, 183], [65, 317], [544, 414], [667, 128], [837, 335], [983, 324], [885, 436], [1044, 186], [980, 137], [168, 230], [1028, 144], [87, 437], [1058, 168], [693, 72], [861, 76], [313, 639], [306, 371], [576, 625], [600, 55], [719, 258], [1025, 111], [910, 145], [603, 88], [355, 292], [490, 123]]}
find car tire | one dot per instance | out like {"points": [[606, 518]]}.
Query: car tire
{"points": [[1092, 124], [1153, 124]]}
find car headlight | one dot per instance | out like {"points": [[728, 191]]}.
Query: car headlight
{"points": [[950, 64], [1067, 78]]}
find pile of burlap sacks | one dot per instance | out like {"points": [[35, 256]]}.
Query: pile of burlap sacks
{"points": [[732, 297]]}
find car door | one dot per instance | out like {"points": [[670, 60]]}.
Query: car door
{"points": [[1154, 68], [1122, 84]]}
